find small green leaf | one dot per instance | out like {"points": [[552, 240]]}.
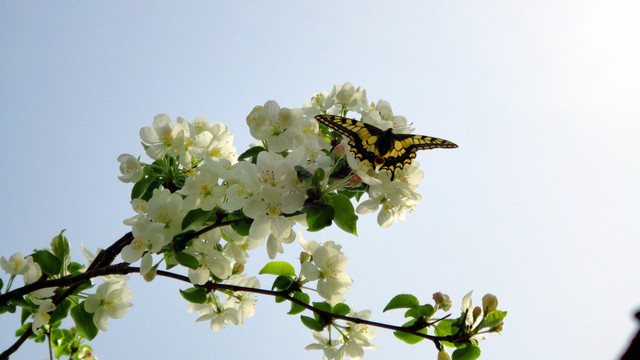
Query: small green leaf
{"points": [[319, 217], [402, 301], [424, 310], [10, 308], [341, 309], [445, 327], [295, 308], [242, 227], [345, 215], [61, 311], [282, 283], [278, 268], [48, 262], [74, 268], [408, 338], [468, 352], [84, 321], [25, 313], [187, 260], [493, 318], [143, 189], [22, 329], [84, 286], [324, 306], [303, 173], [311, 323], [60, 247], [251, 153], [197, 218], [197, 295], [182, 240], [318, 177]]}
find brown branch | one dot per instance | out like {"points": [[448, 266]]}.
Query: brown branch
{"points": [[101, 266], [211, 286]]}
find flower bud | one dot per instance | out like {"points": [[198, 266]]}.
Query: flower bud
{"points": [[477, 313], [238, 268], [304, 257], [150, 275], [339, 150], [442, 300], [489, 303], [443, 355], [355, 181]]}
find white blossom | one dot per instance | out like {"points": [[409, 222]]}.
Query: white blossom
{"points": [[130, 169], [111, 300], [163, 137]]}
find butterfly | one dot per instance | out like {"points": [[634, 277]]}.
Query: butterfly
{"points": [[382, 148]]}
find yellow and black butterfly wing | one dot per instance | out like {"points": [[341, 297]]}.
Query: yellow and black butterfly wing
{"points": [[405, 146], [382, 148], [362, 136]]}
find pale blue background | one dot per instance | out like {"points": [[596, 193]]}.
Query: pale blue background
{"points": [[539, 205]]}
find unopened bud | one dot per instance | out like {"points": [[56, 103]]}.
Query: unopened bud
{"points": [[238, 268], [442, 300], [339, 150], [355, 181], [150, 275], [443, 355], [477, 313], [489, 303]]}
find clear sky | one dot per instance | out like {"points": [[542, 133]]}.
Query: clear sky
{"points": [[539, 204]]}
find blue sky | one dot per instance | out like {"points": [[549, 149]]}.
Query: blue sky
{"points": [[538, 205]]}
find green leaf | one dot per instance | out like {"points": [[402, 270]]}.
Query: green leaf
{"points": [[22, 329], [181, 240], [345, 215], [424, 310], [324, 306], [311, 323], [25, 313], [278, 268], [74, 268], [318, 177], [84, 321], [492, 319], [197, 295], [303, 173], [446, 327], [143, 189], [251, 153], [319, 217], [84, 286], [295, 308], [282, 283], [197, 218], [468, 352], [402, 301], [242, 227], [10, 308], [341, 309], [408, 338], [60, 247], [61, 311], [187, 260], [48, 262]]}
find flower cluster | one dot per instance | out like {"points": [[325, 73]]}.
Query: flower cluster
{"points": [[352, 340], [200, 205], [295, 164]]}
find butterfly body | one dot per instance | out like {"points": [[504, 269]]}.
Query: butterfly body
{"points": [[384, 149]]}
